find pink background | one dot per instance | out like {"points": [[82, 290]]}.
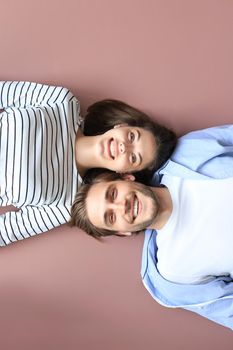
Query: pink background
{"points": [[173, 59]]}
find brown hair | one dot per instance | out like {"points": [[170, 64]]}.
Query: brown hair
{"points": [[79, 215], [104, 115]]}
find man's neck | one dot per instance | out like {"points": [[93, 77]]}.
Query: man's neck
{"points": [[165, 207]]}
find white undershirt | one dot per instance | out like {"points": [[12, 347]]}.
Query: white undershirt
{"points": [[197, 241]]}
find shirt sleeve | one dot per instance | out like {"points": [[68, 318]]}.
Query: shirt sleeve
{"points": [[205, 153], [30, 221], [219, 311], [222, 134], [23, 94]]}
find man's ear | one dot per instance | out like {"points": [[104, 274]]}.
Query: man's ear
{"points": [[120, 125], [128, 177], [120, 233]]}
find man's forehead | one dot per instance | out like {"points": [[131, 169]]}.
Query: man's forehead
{"points": [[98, 188], [95, 203]]}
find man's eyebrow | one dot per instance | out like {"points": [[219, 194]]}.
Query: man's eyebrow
{"points": [[106, 222], [106, 197]]}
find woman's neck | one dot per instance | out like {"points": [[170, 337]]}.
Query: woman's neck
{"points": [[85, 152]]}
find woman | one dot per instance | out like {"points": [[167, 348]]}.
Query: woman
{"points": [[117, 146], [44, 154]]}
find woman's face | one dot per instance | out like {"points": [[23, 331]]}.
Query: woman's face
{"points": [[126, 149]]}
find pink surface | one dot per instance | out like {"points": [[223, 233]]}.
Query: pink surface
{"points": [[63, 290]]}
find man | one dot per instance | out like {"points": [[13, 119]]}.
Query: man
{"points": [[187, 255]]}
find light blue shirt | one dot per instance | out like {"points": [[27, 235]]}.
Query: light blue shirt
{"points": [[200, 154]]}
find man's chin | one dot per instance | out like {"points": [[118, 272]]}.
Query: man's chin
{"points": [[144, 225]]}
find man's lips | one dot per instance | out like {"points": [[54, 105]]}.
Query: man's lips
{"points": [[136, 207]]}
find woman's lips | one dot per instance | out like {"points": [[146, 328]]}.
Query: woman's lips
{"points": [[112, 148], [109, 148]]}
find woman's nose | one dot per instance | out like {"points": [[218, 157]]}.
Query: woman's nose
{"points": [[122, 147]]}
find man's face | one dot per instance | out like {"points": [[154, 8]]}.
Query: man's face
{"points": [[122, 206]]}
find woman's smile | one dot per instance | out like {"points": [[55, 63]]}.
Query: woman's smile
{"points": [[113, 148], [125, 149]]}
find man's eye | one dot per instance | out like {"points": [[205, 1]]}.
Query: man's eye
{"points": [[131, 136], [111, 218], [133, 158]]}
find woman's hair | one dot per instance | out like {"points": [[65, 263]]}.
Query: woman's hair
{"points": [[79, 215], [104, 115]]}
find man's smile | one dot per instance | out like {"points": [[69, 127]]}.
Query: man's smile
{"points": [[135, 208]]}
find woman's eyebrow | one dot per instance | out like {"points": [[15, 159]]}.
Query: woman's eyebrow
{"points": [[140, 159], [139, 154]]}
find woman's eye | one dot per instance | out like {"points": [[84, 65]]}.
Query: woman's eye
{"points": [[133, 158], [113, 194], [131, 136]]}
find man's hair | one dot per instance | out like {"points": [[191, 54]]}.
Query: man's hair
{"points": [[104, 115], [79, 215]]}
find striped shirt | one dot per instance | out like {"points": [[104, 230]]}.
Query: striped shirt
{"points": [[38, 174]]}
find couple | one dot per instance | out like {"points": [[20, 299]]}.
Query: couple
{"points": [[46, 151]]}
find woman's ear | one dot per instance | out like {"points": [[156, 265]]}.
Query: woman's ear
{"points": [[128, 177], [120, 125]]}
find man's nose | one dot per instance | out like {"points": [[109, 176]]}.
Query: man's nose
{"points": [[119, 206]]}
